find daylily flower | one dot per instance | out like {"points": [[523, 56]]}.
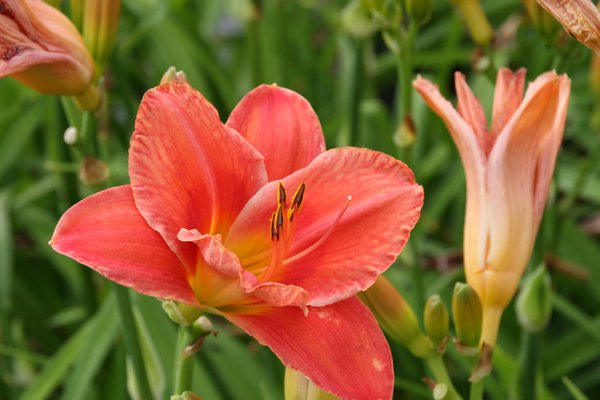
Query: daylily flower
{"points": [[254, 221], [580, 17], [42, 49], [508, 170]]}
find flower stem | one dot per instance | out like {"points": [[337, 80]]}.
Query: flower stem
{"points": [[132, 344], [184, 363], [529, 351], [436, 365], [477, 389]]}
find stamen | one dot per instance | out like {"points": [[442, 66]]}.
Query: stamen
{"points": [[319, 242], [296, 202], [274, 231], [279, 219], [281, 197]]}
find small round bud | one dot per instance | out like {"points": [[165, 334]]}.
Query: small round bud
{"points": [[436, 321], [70, 135], [534, 302], [467, 313]]}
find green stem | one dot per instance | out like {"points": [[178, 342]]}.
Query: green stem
{"points": [[477, 389], [132, 344], [436, 365], [184, 363], [529, 351]]}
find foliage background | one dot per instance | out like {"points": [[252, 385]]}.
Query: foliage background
{"points": [[60, 333]]}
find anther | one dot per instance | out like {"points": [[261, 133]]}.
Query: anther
{"points": [[296, 201], [274, 231], [281, 197]]}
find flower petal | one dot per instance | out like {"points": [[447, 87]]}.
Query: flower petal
{"points": [[471, 110], [366, 240], [107, 233], [282, 126], [580, 17], [187, 169], [507, 98], [518, 171], [474, 162], [214, 286], [339, 347]]}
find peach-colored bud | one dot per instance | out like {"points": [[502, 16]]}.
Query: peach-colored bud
{"points": [[41, 48], [580, 17]]}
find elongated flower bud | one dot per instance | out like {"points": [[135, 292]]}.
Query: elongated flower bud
{"points": [[476, 20], [100, 25], [534, 302], [299, 387], [436, 321], [42, 49], [467, 314], [395, 316]]}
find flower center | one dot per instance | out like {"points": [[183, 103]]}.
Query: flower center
{"points": [[282, 228]]}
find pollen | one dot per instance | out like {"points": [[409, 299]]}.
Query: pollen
{"points": [[277, 217]]}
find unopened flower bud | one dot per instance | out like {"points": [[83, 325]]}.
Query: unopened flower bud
{"points": [[436, 321], [356, 20], [419, 10], [467, 314], [476, 20], [299, 387], [100, 25], [172, 75], [70, 135], [186, 396], [42, 49], [93, 171], [182, 314], [534, 302], [580, 17], [395, 316]]}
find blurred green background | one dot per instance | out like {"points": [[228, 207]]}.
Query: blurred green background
{"points": [[60, 333]]}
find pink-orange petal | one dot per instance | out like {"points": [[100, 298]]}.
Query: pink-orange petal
{"points": [[507, 97], [471, 110], [385, 205], [339, 347], [282, 126], [106, 232], [221, 265], [187, 169]]}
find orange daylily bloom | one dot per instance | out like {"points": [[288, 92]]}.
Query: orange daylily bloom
{"points": [[42, 49], [580, 17], [207, 220], [508, 170]]}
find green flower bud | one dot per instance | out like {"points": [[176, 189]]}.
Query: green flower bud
{"points": [[395, 316], [467, 313], [534, 302], [419, 10], [357, 21], [100, 25], [479, 27], [436, 321]]}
